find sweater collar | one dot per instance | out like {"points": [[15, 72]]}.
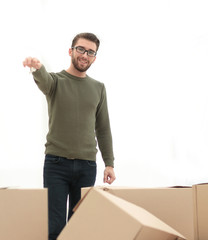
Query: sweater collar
{"points": [[73, 77]]}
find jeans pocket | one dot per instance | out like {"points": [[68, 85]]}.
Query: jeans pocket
{"points": [[52, 159], [91, 163]]}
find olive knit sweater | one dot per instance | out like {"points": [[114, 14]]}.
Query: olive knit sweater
{"points": [[78, 116]]}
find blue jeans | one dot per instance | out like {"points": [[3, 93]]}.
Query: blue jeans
{"points": [[65, 177]]}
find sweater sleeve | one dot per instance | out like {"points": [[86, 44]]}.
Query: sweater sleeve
{"points": [[44, 80], [103, 130]]}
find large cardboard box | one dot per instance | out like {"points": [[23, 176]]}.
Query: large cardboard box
{"points": [[102, 216], [173, 206], [23, 214], [200, 193]]}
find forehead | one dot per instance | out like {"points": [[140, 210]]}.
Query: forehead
{"points": [[86, 44]]}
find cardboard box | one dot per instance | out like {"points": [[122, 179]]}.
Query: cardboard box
{"points": [[200, 193], [102, 216], [174, 206], [23, 214]]}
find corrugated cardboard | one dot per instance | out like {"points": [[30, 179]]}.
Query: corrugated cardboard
{"points": [[173, 206], [23, 214], [102, 216], [201, 211]]}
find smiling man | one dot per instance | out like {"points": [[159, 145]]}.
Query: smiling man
{"points": [[78, 119]]}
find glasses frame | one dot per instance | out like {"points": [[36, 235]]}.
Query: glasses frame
{"points": [[86, 51]]}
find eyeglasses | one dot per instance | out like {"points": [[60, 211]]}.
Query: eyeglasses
{"points": [[82, 50]]}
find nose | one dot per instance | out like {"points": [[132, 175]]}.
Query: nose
{"points": [[85, 54]]}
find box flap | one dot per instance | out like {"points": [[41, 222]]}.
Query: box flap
{"points": [[200, 195], [82, 198], [142, 215]]}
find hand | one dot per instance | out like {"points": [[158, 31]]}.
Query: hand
{"points": [[109, 175], [32, 62]]}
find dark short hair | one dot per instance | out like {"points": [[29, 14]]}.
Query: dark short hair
{"points": [[88, 36]]}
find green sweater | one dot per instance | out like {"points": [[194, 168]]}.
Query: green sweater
{"points": [[78, 116]]}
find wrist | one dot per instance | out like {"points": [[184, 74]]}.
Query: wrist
{"points": [[109, 167]]}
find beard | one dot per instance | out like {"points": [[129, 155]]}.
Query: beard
{"points": [[78, 65]]}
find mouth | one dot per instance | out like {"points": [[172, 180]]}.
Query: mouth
{"points": [[83, 62]]}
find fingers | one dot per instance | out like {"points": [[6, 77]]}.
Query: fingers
{"points": [[109, 175], [27, 62], [109, 180], [105, 177], [32, 62]]}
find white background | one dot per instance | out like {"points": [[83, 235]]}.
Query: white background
{"points": [[153, 60]]}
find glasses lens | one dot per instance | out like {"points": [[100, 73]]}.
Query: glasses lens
{"points": [[80, 49], [91, 53]]}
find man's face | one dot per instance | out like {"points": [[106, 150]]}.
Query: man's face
{"points": [[80, 61]]}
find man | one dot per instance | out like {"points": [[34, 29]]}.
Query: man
{"points": [[78, 115]]}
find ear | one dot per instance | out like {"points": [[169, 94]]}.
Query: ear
{"points": [[70, 52], [94, 60]]}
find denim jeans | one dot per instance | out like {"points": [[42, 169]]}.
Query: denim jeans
{"points": [[64, 178]]}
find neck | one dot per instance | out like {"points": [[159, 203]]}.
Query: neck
{"points": [[73, 71]]}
